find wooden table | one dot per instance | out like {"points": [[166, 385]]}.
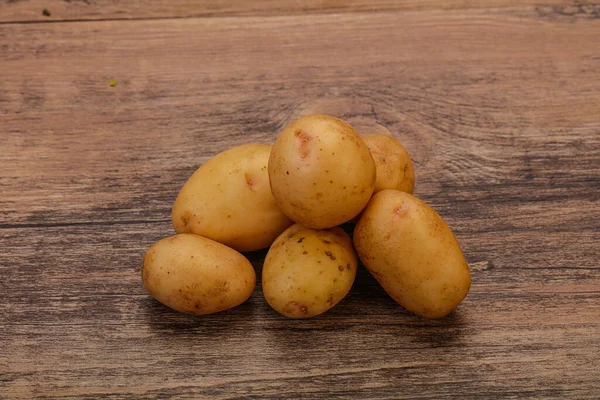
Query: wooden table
{"points": [[499, 106]]}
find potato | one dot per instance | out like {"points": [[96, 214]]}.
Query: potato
{"points": [[412, 253], [307, 271], [196, 275], [228, 199], [395, 169], [322, 173]]}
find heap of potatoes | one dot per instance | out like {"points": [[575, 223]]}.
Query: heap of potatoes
{"points": [[292, 197]]}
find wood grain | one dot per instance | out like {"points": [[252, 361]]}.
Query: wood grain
{"points": [[55, 10], [498, 107]]}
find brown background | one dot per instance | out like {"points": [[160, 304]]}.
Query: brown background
{"points": [[498, 102]]}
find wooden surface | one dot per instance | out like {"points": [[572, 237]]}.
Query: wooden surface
{"points": [[81, 10], [499, 107]]}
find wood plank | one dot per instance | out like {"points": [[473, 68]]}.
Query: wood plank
{"points": [[77, 322], [498, 111], [52, 10]]}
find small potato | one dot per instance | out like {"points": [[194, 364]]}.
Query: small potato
{"points": [[307, 271], [196, 275], [412, 253], [228, 199], [322, 173], [395, 169]]}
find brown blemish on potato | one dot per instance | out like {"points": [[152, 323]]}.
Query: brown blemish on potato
{"points": [[305, 252], [330, 299], [304, 138], [318, 195], [185, 220], [300, 240], [401, 209], [250, 182], [330, 255], [294, 308], [348, 266], [341, 268], [325, 241], [287, 172]]}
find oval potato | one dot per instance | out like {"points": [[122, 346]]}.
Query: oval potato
{"points": [[322, 173], [412, 253], [306, 271], [228, 199], [395, 169], [195, 275]]}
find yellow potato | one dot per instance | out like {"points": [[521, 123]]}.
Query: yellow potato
{"points": [[307, 271], [395, 169], [412, 253], [196, 275], [228, 199], [322, 173]]}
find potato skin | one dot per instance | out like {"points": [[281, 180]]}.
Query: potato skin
{"points": [[322, 173], [395, 169], [306, 271], [412, 253], [195, 275], [228, 199]]}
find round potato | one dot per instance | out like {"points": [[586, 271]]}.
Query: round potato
{"points": [[322, 173], [395, 169], [412, 253], [228, 199], [196, 275], [308, 271]]}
